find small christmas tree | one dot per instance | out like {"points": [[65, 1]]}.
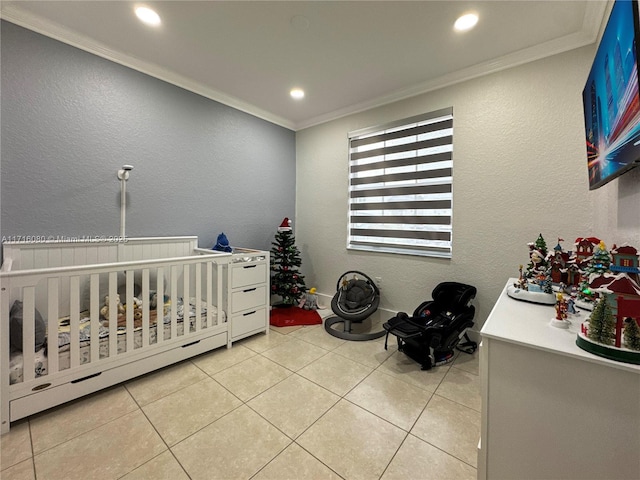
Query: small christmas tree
{"points": [[286, 280], [632, 334], [538, 258], [602, 325], [541, 245], [600, 261], [584, 290]]}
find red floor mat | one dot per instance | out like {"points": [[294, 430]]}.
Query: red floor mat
{"points": [[287, 317]]}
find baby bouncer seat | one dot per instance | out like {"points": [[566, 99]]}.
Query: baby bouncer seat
{"points": [[437, 326], [355, 300]]}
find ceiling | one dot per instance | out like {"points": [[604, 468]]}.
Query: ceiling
{"points": [[347, 55]]}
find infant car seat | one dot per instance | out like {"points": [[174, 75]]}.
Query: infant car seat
{"points": [[436, 326], [355, 300]]}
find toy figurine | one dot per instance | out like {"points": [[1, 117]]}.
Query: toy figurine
{"points": [[222, 244], [534, 284], [560, 320], [571, 305], [310, 300], [104, 311], [561, 307]]}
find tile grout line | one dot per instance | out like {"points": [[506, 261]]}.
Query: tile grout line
{"points": [[292, 372], [157, 433], [33, 453]]}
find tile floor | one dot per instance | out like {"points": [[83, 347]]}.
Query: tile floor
{"points": [[294, 404]]}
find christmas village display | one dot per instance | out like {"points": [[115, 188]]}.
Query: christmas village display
{"points": [[604, 282]]}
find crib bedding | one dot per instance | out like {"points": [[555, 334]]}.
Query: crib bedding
{"points": [[16, 362]]}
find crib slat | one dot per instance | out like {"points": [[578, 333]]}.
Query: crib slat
{"points": [[145, 307], [198, 287], [40, 259], [55, 257], [27, 259], [113, 314], [174, 301], [164, 251], [92, 255], [218, 298], [186, 295], [52, 324], [209, 293], [4, 354], [28, 332], [94, 314], [74, 305], [80, 255], [130, 310], [155, 251], [160, 305], [66, 257]]}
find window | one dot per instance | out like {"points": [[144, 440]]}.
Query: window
{"points": [[400, 186]]}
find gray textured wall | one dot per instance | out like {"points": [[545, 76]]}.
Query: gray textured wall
{"points": [[71, 119]]}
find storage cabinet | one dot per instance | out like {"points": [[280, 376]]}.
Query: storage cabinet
{"points": [[248, 293], [551, 410]]}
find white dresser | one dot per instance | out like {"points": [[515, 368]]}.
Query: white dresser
{"points": [[551, 410], [248, 293]]}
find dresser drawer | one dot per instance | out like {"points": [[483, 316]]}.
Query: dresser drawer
{"points": [[242, 275], [251, 297], [248, 322]]}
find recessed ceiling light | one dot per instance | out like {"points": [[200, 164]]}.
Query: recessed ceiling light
{"points": [[466, 22], [297, 93], [148, 16]]}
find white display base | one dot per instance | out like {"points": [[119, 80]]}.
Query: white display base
{"points": [[619, 354], [532, 297], [560, 323], [584, 305]]}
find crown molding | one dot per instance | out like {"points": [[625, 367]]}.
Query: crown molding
{"points": [[53, 30], [593, 22], [589, 33]]}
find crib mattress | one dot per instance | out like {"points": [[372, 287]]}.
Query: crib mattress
{"points": [[16, 362]]}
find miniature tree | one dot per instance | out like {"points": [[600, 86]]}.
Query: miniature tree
{"points": [[286, 280], [584, 290], [602, 325], [541, 246], [632, 334], [600, 261], [538, 258], [598, 265]]}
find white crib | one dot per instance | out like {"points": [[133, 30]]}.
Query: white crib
{"points": [[65, 282]]}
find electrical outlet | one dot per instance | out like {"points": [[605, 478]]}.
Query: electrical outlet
{"points": [[378, 281]]}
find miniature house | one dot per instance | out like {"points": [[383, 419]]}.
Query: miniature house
{"points": [[559, 262], [625, 259], [579, 259]]}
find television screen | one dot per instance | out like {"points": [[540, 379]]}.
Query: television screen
{"points": [[612, 100]]}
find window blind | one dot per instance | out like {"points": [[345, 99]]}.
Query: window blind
{"points": [[401, 186]]}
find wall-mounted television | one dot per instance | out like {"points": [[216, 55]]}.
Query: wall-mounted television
{"points": [[611, 98]]}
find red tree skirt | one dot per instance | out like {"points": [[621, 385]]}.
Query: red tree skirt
{"points": [[287, 317]]}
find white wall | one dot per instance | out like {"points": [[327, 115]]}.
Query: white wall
{"points": [[617, 210], [519, 170]]}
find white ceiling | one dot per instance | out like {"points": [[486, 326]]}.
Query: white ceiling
{"points": [[346, 55]]}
